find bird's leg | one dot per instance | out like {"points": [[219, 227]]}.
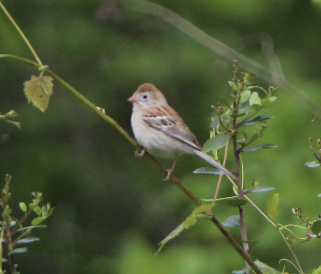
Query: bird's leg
{"points": [[140, 154], [170, 171]]}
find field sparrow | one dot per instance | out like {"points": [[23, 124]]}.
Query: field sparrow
{"points": [[161, 131]]}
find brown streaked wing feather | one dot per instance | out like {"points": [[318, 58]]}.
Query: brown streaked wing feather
{"points": [[166, 120]]}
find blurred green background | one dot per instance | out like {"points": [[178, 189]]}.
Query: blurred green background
{"points": [[112, 209]]}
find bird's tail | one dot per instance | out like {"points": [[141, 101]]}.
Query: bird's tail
{"points": [[214, 163]]}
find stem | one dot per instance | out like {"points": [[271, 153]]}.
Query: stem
{"points": [[221, 175], [21, 33]]}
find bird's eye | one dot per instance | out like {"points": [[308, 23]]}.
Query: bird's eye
{"points": [[145, 96]]}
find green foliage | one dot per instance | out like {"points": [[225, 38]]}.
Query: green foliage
{"points": [[124, 50], [13, 231]]}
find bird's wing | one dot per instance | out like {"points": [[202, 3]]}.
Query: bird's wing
{"points": [[166, 120]]}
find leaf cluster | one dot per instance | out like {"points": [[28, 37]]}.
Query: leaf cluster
{"points": [[14, 231]]}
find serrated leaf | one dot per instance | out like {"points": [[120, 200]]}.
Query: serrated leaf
{"points": [[256, 119], [207, 170], [250, 149], [232, 221], [272, 206], [312, 164], [38, 91], [215, 143], [236, 201], [245, 95], [255, 99], [28, 240], [261, 189], [19, 250], [189, 221], [23, 206], [37, 220], [316, 227]]}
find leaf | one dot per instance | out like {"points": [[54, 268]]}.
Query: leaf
{"points": [[272, 206], [272, 99], [250, 149], [232, 221], [38, 91], [30, 227], [312, 164], [266, 103], [23, 206], [215, 143], [256, 119], [189, 221], [19, 250], [37, 220], [255, 99], [316, 227], [207, 170], [260, 189], [267, 269], [28, 240], [245, 95], [236, 201]]}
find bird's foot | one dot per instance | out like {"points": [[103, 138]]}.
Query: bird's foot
{"points": [[140, 154]]}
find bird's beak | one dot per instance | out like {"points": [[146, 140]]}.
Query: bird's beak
{"points": [[132, 99]]}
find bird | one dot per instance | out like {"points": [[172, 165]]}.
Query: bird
{"points": [[160, 131]]}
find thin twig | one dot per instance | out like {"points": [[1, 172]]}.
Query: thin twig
{"points": [[21, 33]]}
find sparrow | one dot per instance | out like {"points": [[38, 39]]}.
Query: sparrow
{"points": [[159, 129]]}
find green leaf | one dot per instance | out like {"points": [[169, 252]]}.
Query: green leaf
{"points": [[19, 250], [255, 99], [189, 221], [260, 189], [245, 95], [215, 143], [250, 149], [236, 201], [256, 119], [37, 221], [267, 269], [266, 103], [207, 170], [272, 206], [23, 206], [312, 164], [272, 99], [233, 85], [316, 227], [28, 240], [232, 221], [30, 227], [38, 91]]}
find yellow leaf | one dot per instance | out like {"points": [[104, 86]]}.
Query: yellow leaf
{"points": [[38, 91]]}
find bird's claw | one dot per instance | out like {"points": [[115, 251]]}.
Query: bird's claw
{"points": [[140, 154]]}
